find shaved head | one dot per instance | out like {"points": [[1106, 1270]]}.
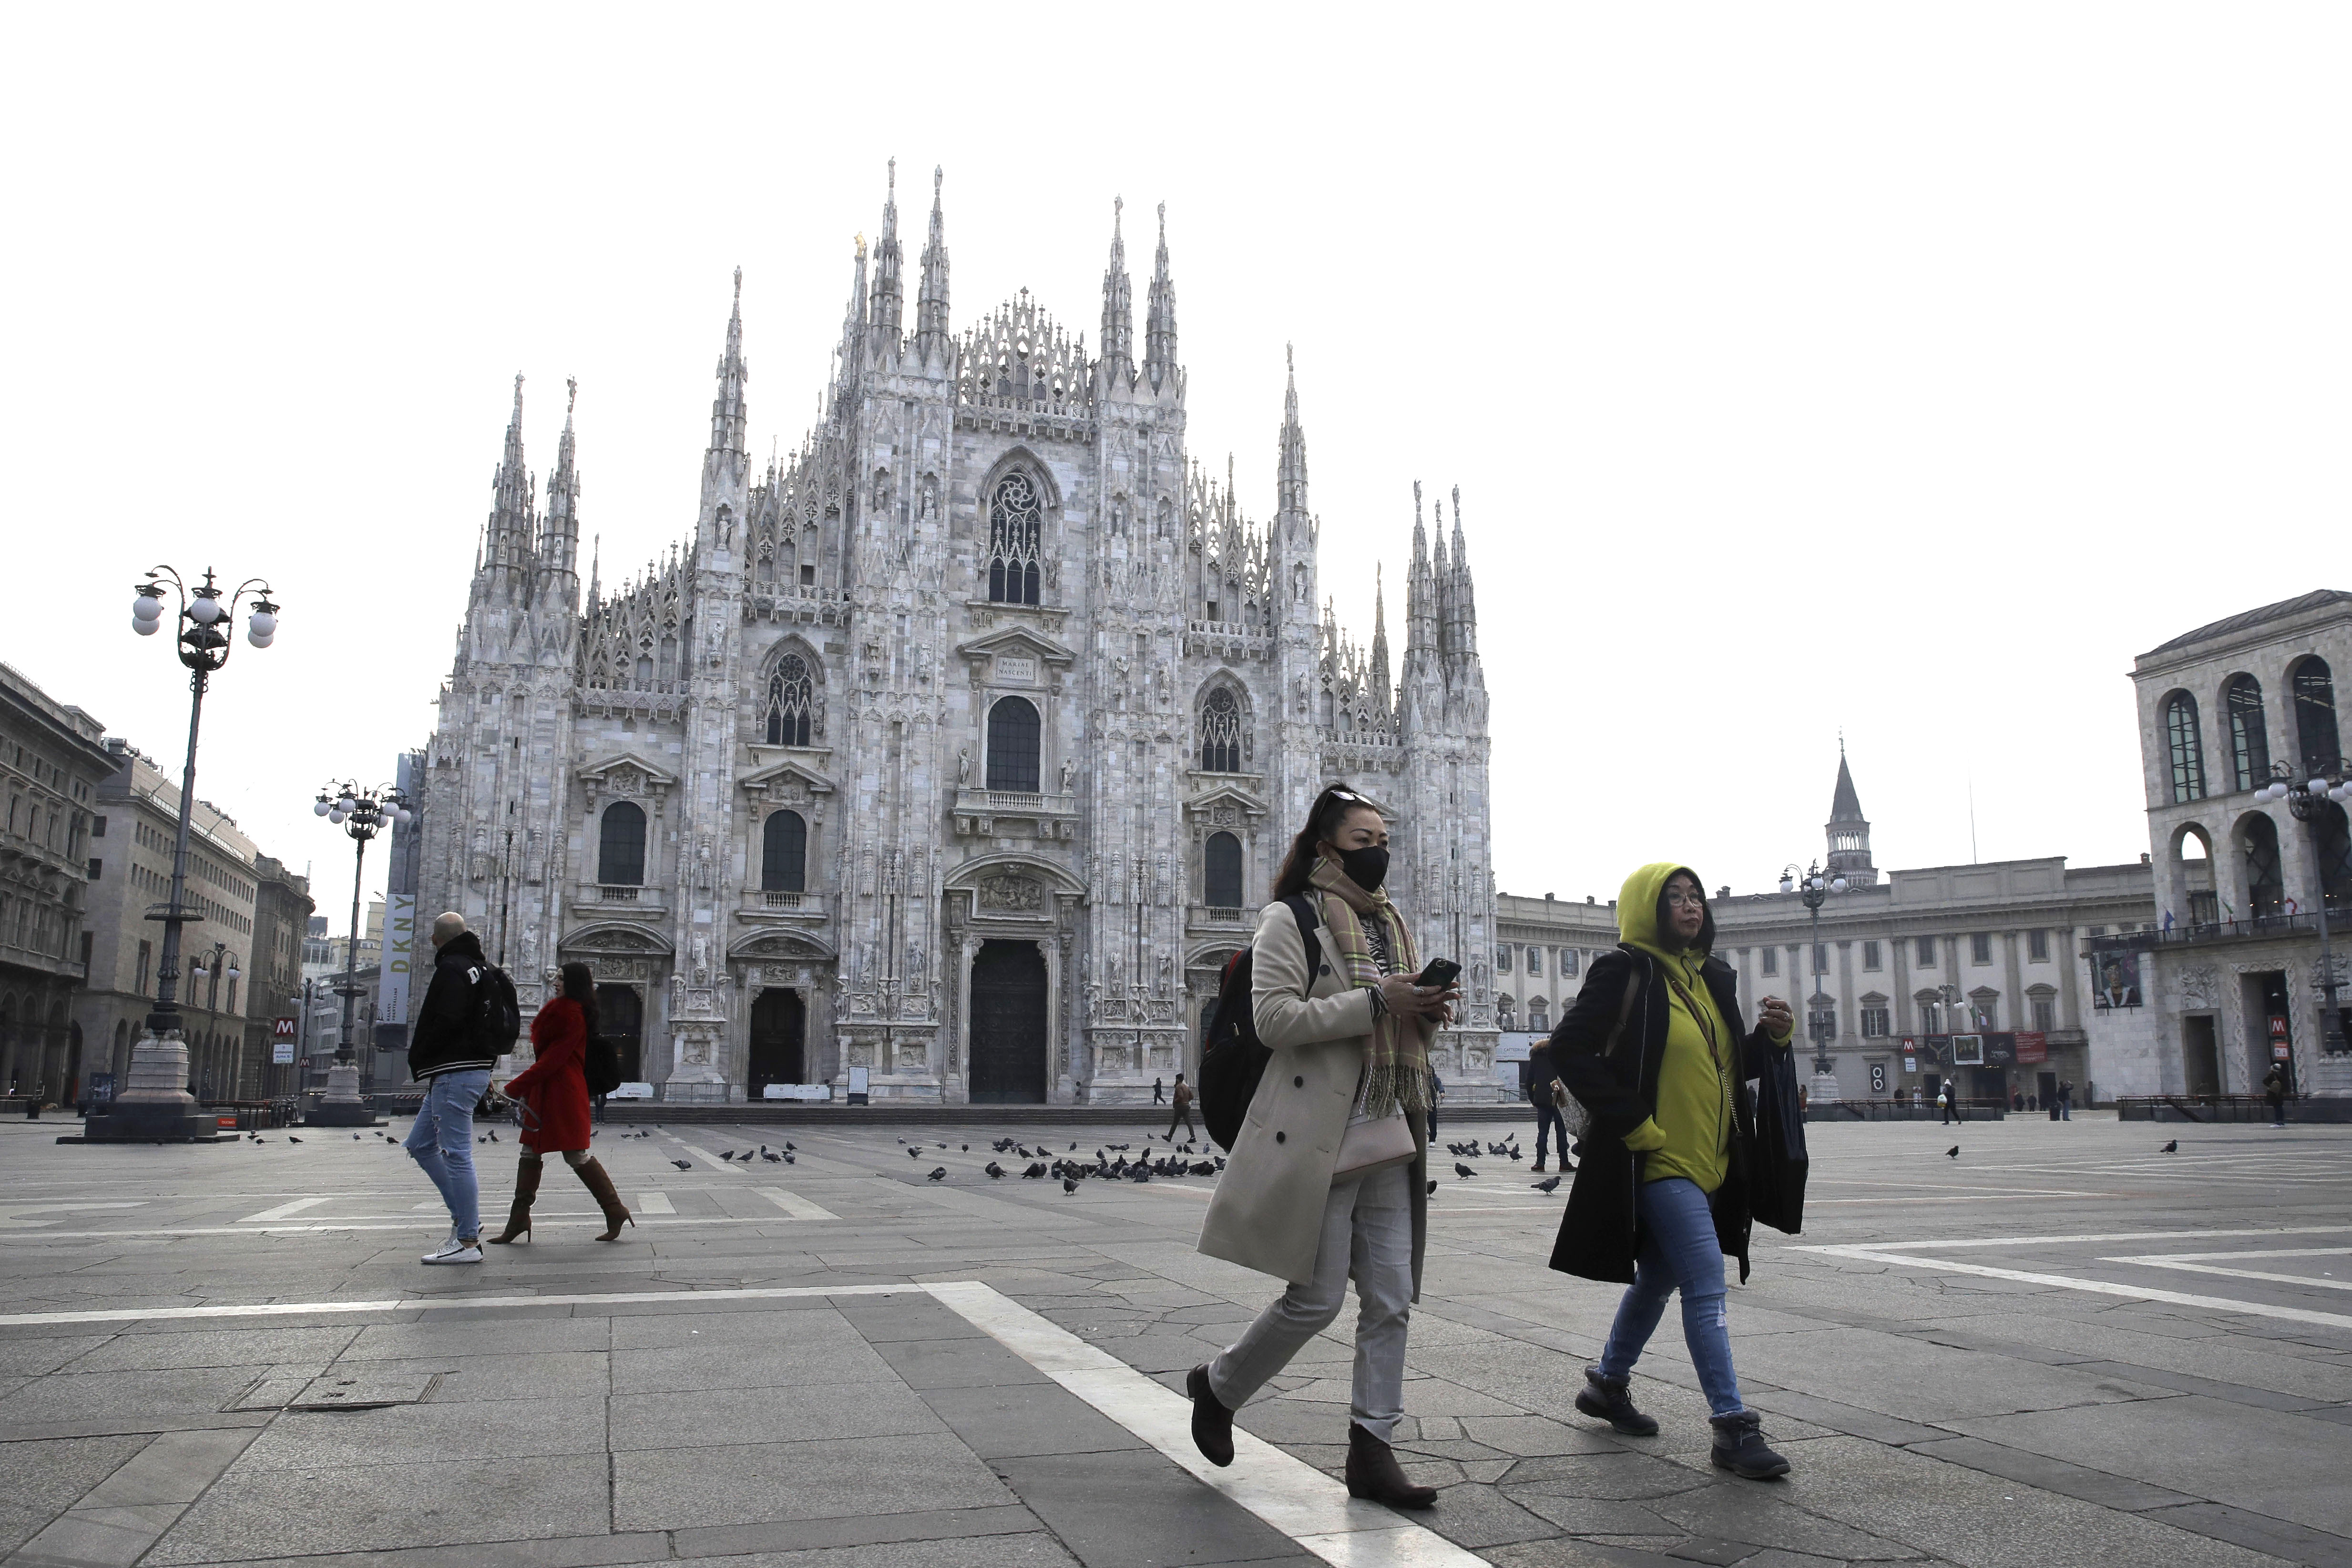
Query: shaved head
{"points": [[447, 925]]}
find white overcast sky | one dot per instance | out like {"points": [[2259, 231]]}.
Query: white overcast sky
{"points": [[1900, 369]]}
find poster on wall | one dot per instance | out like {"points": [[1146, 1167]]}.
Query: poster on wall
{"points": [[2033, 1046], [1967, 1050], [2114, 980]]}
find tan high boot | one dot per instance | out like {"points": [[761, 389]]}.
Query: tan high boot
{"points": [[600, 1187], [518, 1217]]}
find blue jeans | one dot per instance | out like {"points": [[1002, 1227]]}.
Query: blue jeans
{"points": [[443, 1142], [1678, 1249], [1547, 1119]]}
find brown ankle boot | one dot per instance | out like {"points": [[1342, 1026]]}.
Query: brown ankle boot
{"points": [[1373, 1472], [519, 1216], [600, 1187]]}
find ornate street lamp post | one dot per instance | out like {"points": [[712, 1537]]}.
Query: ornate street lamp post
{"points": [[1814, 886], [155, 1105], [363, 814], [2308, 797]]}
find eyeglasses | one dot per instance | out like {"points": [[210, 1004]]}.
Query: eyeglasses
{"points": [[1679, 899]]}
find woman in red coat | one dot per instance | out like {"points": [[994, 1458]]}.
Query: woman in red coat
{"points": [[553, 1091]]}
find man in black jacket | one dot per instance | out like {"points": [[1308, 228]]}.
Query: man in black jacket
{"points": [[448, 1056], [1546, 1093]]}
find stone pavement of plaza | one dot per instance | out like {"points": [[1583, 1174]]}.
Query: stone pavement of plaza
{"points": [[2063, 1347]]}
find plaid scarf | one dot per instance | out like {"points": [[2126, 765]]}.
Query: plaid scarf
{"points": [[1396, 1063]]}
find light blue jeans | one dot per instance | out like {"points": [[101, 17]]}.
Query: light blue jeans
{"points": [[443, 1142], [1679, 1250]]}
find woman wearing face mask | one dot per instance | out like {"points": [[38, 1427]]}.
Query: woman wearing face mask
{"points": [[1654, 1051], [1306, 1196]]}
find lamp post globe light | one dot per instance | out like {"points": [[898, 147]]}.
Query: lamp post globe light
{"points": [[1814, 886], [363, 814], [154, 1104], [2308, 793]]}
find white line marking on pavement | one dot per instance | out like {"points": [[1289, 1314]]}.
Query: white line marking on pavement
{"points": [[446, 1303], [2096, 1286], [2215, 1257], [705, 1155], [794, 1205], [1289, 1494], [2069, 1240], [284, 1211], [2182, 1261], [655, 1203], [13, 1219]]}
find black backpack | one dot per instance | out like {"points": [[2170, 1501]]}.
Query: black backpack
{"points": [[497, 1016], [1233, 1059], [601, 1065]]}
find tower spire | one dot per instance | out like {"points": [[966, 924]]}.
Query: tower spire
{"points": [[890, 293], [1383, 690], [1420, 602], [1118, 305], [727, 408], [931, 305], [1848, 830], [1290, 480], [559, 534], [507, 538], [1465, 603], [1160, 331]]}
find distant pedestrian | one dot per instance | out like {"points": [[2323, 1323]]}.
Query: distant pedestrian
{"points": [[1653, 1049], [1944, 1104], [551, 1097], [2065, 1100], [1549, 1096], [2016, 1099], [449, 1056], [1349, 1076], [1158, 1095], [2274, 1091], [1184, 1111]]}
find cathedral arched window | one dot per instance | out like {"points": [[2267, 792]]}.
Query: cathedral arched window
{"points": [[1016, 517], [1221, 731], [1221, 872], [621, 845], [791, 696], [2186, 749], [783, 853], [1014, 735], [2250, 740], [2315, 716]]}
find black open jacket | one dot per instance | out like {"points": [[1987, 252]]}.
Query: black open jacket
{"points": [[1600, 1235]]}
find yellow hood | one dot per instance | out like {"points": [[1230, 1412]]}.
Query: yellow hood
{"points": [[1637, 910]]}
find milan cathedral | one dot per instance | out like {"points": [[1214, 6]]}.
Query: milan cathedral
{"points": [[948, 757]]}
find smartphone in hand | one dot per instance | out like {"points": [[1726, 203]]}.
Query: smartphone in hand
{"points": [[1440, 972]]}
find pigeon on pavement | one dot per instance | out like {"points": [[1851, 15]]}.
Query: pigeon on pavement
{"points": [[941, 1175], [1069, 1185], [291, 1139], [2171, 1148], [683, 1165], [1463, 1171], [995, 1172], [1548, 1184], [1432, 1189], [1953, 1152]]}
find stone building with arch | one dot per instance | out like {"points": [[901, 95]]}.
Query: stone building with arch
{"points": [[959, 744], [2230, 973], [52, 760]]}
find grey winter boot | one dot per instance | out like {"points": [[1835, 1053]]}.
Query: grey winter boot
{"points": [[1739, 1448], [1608, 1399]]}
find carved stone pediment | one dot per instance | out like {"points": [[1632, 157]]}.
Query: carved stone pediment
{"points": [[1015, 643], [1226, 801], [1010, 893], [614, 938], [787, 783], [626, 775]]}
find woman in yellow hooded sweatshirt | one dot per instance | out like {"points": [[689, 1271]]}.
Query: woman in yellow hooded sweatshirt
{"points": [[1654, 1050]]}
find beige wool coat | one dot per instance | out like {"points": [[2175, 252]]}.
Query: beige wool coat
{"points": [[1267, 1211]]}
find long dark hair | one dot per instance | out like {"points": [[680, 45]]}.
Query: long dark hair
{"points": [[580, 985], [1331, 808]]}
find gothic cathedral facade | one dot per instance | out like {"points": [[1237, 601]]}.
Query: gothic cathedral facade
{"points": [[951, 756]]}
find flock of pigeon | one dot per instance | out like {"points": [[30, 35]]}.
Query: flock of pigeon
{"points": [[1178, 1159], [1511, 1151]]}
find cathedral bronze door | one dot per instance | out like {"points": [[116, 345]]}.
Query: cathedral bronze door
{"points": [[1008, 1024], [621, 1018], [778, 1029]]}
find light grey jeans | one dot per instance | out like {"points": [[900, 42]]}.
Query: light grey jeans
{"points": [[1367, 1233]]}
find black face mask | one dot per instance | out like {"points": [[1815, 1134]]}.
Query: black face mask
{"points": [[1367, 867]]}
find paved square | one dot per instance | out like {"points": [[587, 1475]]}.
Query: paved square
{"points": [[2063, 1347]]}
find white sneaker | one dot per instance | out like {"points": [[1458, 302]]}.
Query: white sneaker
{"points": [[456, 1249]]}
